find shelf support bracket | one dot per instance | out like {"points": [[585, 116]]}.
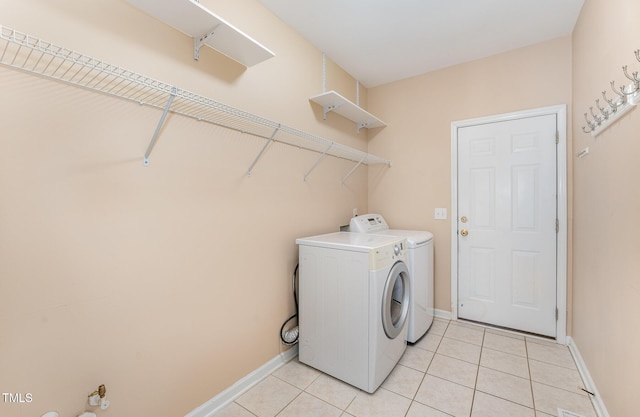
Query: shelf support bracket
{"points": [[264, 148], [198, 41], [353, 169], [318, 161], [160, 123], [361, 125], [328, 109]]}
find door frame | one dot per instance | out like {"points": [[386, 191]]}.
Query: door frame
{"points": [[561, 160]]}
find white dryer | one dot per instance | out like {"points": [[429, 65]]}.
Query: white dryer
{"points": [[354, 295], [420, 263]]}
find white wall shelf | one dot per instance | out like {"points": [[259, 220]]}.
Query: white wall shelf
{"points": [[206, 28], [334, 102], [36, 56]]}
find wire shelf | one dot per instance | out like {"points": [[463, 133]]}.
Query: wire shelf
{"points": [[33, 55]]}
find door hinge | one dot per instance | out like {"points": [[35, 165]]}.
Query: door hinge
{"points": [[557, 314], [557, 226], [557, 137]]}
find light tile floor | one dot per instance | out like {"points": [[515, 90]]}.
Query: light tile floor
{"points": [[458, 369]]}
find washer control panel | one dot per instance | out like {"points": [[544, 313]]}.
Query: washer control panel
{"points": [[386, 256], [368, 223]]}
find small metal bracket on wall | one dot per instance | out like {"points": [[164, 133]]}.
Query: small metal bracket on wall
{"points": [[328, 109], [160, 123], [353, 169], [361, 125], [198, 41], [264, 148]]}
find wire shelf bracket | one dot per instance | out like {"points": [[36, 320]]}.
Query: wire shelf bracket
{"points": [[320, 158], [160, 123], [264, 148], [353, 170], [27, 53]]}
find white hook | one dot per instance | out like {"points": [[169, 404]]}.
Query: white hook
{"points": [[596, 119], [623, 97], [634, 79], [626, 74], [603, 111], [591, 123], [612, 105]]}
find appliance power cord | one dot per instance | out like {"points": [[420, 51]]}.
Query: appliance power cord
{"points": [[290, 337]]}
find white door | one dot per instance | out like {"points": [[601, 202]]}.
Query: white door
{"points": [[507, 201]]}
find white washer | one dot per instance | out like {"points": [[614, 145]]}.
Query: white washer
{"points": [[354, 295], [420, 263]]}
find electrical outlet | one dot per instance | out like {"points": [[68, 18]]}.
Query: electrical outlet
{"points": [[355, 212], [440, 214]]}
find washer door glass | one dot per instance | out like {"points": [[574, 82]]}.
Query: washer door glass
{"points": [[395, 300]]}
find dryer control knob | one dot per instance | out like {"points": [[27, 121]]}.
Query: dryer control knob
{"points": [[396, 250]]}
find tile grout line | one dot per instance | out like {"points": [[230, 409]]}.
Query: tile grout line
{"points": [[342, 410], [350, 402], [424, 374], [427, 370], [507, 373], [244, 408], [302, 390], [533, 398], [475, 385]]}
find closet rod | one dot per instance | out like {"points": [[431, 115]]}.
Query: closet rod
{"points": [[36, 56]]}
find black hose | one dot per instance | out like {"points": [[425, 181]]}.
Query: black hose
{"points": [[295, 299]]}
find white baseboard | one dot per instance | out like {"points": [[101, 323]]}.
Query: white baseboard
{"points": [[209, 408], [441, 314], [596, 399]]}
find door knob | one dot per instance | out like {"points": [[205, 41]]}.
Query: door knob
{"points": [[464, 232], [464, 219]]}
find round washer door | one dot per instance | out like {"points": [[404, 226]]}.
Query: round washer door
{"points": [[395, 300]]}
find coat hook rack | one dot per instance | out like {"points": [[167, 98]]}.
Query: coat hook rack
{"points": [[627, 98]]}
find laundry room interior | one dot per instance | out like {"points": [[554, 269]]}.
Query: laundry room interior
{"points": [[153, 252]]}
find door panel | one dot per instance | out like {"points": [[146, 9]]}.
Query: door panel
{"points": [[483, 274], [483, 208], [507, 192]]}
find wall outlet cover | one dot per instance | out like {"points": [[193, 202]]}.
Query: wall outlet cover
{"points": [[440, 214]]}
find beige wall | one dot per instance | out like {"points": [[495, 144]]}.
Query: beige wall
{"points": [[166, 283], [607, 202], [129, 276], [419, 112]]}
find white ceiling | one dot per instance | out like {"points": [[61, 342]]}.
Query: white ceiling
{"points": [[379, 41]]}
